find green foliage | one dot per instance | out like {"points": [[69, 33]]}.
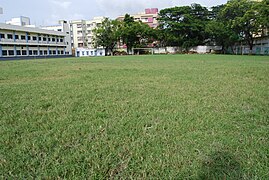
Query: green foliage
{"points": [[246, 18], [107, 35], [136, 34], [218, 30], [222, 25], [183, 26], [129, 32]]}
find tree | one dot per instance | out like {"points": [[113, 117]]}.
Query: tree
{"points": [[136, 34], [221, 35], [218, 30], [246, 18], [183, 26], [107, 35]]}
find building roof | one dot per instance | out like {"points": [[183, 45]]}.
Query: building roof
{"points": [[30, 29]]}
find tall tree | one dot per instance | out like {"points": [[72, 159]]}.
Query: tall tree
{"points": [[135, 34], [245, 18], [183, 26], [218, 30], [107, 35]]}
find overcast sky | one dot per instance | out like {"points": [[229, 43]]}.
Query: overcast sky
{"points": [[48, 12]]}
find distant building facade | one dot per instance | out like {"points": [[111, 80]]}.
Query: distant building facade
{"points": [[149, 17], [21, 41], [82, 32], [62, 26], [19, 21], [86, 52]]}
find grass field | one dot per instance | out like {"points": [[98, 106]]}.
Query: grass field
{"points": [[174, 116]]}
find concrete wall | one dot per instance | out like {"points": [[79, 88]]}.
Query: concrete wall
{"points": [[261, 47], [86, 52]]}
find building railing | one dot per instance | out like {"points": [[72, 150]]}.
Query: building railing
{"points": [[35, 42]]}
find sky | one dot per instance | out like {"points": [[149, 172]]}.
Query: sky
{"points": [[48, 12]]}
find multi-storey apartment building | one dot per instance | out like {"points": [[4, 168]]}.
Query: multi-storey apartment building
{"points": [[78, 33], [16, 41], [82, 32], [91, 25], [149, 17]]}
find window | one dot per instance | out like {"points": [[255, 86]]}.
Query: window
{"points": [[18, 52], [30, 52], [54, 52], [2, 36], [59, 52], [41, 53], [67, 32], [35, 52], [45, 52], [82, 53], [29, 38], [50, 52], [62, 52], [59, 30], [10, 36], [39, 38], [34, 38], [61, 40], [4, 52], [23, 37], [48, 39], [16, 36], [53, 39], [23, 52], [11, 52], [87, 53], [44, 39]]}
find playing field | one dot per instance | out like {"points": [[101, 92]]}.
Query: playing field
{"points": [[136, 117]]}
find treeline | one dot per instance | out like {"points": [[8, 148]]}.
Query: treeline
{"points": [[188, 26]]}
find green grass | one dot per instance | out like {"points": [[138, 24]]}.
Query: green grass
{"points": [[174, 116]]}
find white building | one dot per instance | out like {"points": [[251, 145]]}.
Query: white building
{"points": [[86, 52], [149, 16], [64, 27], [19, 21], [82, 32], [78, 33], [90, 26], [20, 41]]}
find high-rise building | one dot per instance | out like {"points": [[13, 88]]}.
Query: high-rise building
{"points": [[149, 17], [82, 32]]}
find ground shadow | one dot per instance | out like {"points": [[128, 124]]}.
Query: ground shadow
{"points": [[221, 165]]}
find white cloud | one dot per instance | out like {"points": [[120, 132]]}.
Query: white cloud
{"points": [[116, 7], [61, 4]]}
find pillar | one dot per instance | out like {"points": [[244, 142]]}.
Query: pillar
{"points": [[0, 50]]}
